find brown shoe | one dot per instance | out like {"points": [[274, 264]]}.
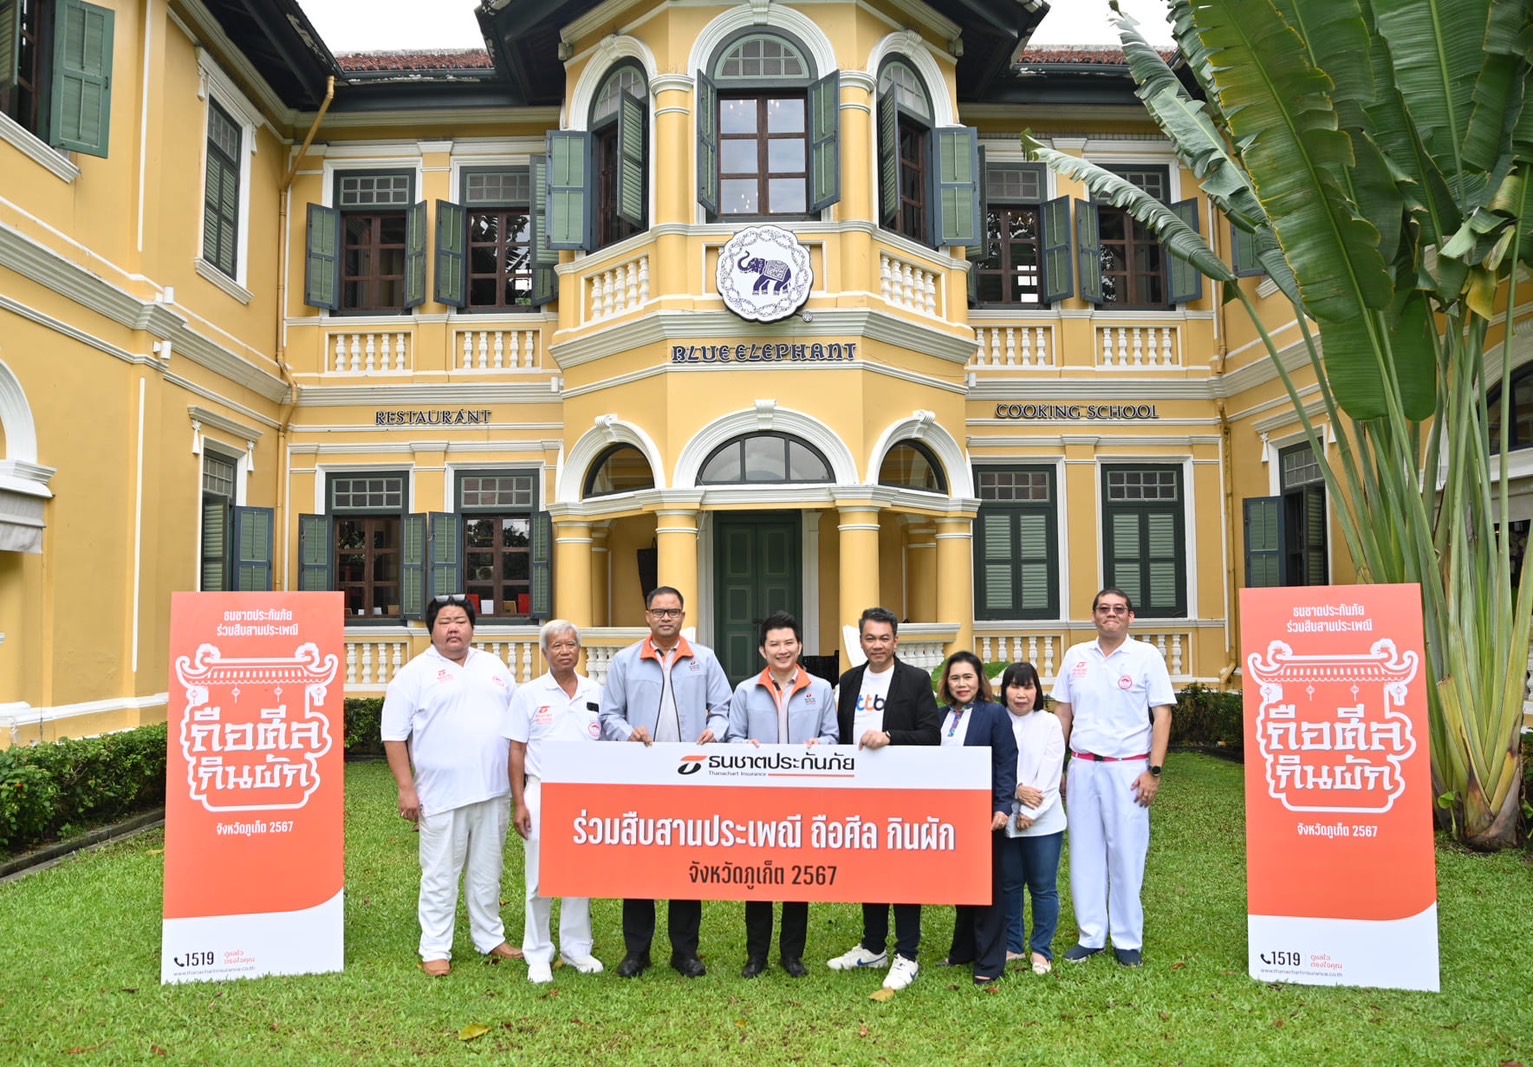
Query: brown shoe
{"points": [[436, 968], [503, 951]]}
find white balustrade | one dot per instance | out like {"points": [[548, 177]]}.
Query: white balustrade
{"points": [[490, 349], [383, 352], [601, 643], [1171, 647], [1041, 650], [1138, 347], [907, 285], [617, 290], [520, 654], [1013, 346], [371, 663]]}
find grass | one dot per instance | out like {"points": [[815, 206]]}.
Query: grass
{"points": [[80, 981]]}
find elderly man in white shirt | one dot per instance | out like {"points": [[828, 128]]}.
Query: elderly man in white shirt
{"points": [[445, 712], [558, 706]]}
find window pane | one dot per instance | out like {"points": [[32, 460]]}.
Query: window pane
{"points": [[623, 470], [516, 533], [723, 466], [737, 116], [789, 196], [737, 157], [738, 196], [785, 116], [765, 459], [804, 465], [785, 155]]}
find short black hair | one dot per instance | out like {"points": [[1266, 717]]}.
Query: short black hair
{"points": [[780, 620], [1112, 590], [456, 600], [664, 590], [1022, 674], [883, 615]]}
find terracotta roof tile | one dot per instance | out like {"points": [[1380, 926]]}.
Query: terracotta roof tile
{"points": [[1103, 55], [399, 60]]}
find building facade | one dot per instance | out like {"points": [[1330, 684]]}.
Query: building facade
{"points": [[760, 301]]}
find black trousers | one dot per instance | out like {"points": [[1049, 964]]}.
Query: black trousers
{"points": [[682, 920], [758, 929], [979, 930], [907, 928]]}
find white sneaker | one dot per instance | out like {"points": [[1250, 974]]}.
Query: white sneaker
{"points": [[902, 973], [539, 972], [586, 964], [858, 957]]}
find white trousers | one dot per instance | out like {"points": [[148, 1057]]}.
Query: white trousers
{"points": [[471, 837], [574, 912], [1109, 840]]}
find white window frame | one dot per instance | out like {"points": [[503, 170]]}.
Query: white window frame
{"points": [[215, 86]]}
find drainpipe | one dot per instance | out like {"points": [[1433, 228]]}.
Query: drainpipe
{"points": [[1231, 589], [285, 416]]}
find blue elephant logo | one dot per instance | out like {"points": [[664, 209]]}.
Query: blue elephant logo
{"points": [[771, 270]]}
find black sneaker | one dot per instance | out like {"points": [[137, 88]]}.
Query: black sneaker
{"points": [[1080, 954], [1128, 957]]}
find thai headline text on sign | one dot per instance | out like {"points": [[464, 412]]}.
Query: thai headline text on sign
{"points": [[775, 822], [254, 840], [1341, 874]]}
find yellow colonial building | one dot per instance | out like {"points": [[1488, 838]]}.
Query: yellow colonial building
{"points": [[758, 300]]}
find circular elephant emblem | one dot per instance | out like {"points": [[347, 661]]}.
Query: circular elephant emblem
{"points": [[764, 274]]}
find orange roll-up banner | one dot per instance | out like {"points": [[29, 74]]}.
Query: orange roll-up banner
{"points": [[1342, 877], [254, 833], [779, 822]]}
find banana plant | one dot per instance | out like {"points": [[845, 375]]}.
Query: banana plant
{"points": [[1377, 153]]}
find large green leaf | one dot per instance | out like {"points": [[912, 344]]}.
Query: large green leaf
{"points": [[1499, 88], [1106, 187], [1280, 112], [1184, 31]]}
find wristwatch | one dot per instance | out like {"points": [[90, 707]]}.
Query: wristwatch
{"points": [[1155, 769]]}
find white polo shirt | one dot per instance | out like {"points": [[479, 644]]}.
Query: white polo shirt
{"points": [[455, 718], [542, 711], [1110, 697]]}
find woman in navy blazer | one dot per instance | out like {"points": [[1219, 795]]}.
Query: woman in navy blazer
{"points": [[971, 717]]}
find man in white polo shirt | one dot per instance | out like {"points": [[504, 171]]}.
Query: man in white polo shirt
{"points": [[445, 712], [558, 706], [1113, 698]]}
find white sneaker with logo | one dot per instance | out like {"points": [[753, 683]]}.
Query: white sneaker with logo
{"points": [[586, 964], [902, 973], [858, 957], [539, 972]]}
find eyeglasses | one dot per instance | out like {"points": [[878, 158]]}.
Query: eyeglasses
{"points": [[666, 613], [451, 598], [1112, 609]]}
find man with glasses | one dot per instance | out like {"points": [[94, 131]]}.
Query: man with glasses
{"points": [[1113, 698], [447, 713], [557, 706], [664, 688], [881, 703]]}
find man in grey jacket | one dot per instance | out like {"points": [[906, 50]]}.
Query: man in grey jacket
{"points": [[664, 689], [783, 705]]}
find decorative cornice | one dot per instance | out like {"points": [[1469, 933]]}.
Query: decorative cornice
{"points": [[202, 415], [25, 142], [383, 394]]}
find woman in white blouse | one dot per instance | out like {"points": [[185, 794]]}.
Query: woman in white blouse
{"points": [[1036, 833]]}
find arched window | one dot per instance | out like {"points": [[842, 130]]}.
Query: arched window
{"points": [[928, 184], [911, 465], [767, 131], [620, 469], [762, 459], [618, 155]]}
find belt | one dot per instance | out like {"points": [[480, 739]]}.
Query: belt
{"points": [[1094, 758]]}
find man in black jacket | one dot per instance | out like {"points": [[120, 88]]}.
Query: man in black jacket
{"points": [[886, 702]]}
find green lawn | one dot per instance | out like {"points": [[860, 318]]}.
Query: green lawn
{"points": [[80, 982]]}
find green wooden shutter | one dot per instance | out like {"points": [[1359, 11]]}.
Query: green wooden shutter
{"points": [[321, 272], [997, 587], [412, 568], [545, 280], [955, 151], [316, 553], [1125, 556], [974, 253], [215, 546], [415, 255], [888, 159], [1088, 251], [542, 566], [825, 142], [220, 214], [81, 112], [568, 202], [1243, 253], [1058, 278], [631, 159], [10, 43], [252, 549], [1264, 541], [706, 99], [1186, 281], [1163, 550], [451, 254], [1313, 526], [1036, 565], [444, 555]]}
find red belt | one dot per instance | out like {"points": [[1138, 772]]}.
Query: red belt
{"points": [[1094, 758]]}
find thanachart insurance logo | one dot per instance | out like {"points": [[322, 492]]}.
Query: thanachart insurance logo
{"points": [[810, 763], [690, 764], [764, 274]]}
